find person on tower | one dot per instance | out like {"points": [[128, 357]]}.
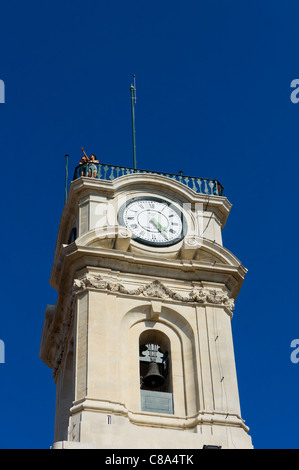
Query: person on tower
{"points": [[83, 161], [92, 171], [89, 163]]}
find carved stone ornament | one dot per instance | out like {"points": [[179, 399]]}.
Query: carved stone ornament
{"points": [[155, 289], [59, 335]]}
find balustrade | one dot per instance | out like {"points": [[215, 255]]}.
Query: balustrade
{"points": [[110, 172]]}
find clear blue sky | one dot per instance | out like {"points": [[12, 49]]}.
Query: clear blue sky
{"points": [[213, 100]]}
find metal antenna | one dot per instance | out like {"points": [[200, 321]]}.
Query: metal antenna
{"points": [[133, 102]]}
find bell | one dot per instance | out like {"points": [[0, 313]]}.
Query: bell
{"points": [[153, 378]]}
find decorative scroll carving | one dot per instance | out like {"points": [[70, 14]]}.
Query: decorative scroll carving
{"points": [[60, 337], [156, 289]]}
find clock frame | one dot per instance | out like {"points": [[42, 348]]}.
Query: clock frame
{"points": [[155, 235]]}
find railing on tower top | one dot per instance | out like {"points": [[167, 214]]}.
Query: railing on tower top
{"points": [[110, 172]]}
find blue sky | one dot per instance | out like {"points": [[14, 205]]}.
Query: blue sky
{"points": [[213, 100]]}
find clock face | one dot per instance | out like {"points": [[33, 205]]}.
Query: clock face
{"points": [[153, 221]]}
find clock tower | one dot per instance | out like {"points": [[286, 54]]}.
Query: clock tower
{"points": [[140, 339]]}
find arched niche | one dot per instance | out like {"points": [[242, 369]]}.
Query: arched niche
{"points": [[176, 333], [154, 348]]}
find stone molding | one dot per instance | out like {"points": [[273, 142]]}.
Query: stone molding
{"points": [[152, 290], [155, 289], [202, 417]]}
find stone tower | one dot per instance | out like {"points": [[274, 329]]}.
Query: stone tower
{"points": [[140, 338]]}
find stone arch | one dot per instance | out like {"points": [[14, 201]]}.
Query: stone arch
{"points": [[180, 333], [162, 357]]}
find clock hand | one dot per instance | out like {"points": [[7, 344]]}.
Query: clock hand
{"points": [[159, 227]]}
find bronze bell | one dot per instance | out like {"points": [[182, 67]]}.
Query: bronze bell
{"points": [[153, 378]]}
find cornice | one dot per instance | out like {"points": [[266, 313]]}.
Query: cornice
{"points": [[73, 258]]}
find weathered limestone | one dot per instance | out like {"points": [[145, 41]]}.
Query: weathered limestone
{"points": [[112, 291]]}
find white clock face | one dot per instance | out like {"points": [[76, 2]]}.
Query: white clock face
{"points": [[152, 221]]}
